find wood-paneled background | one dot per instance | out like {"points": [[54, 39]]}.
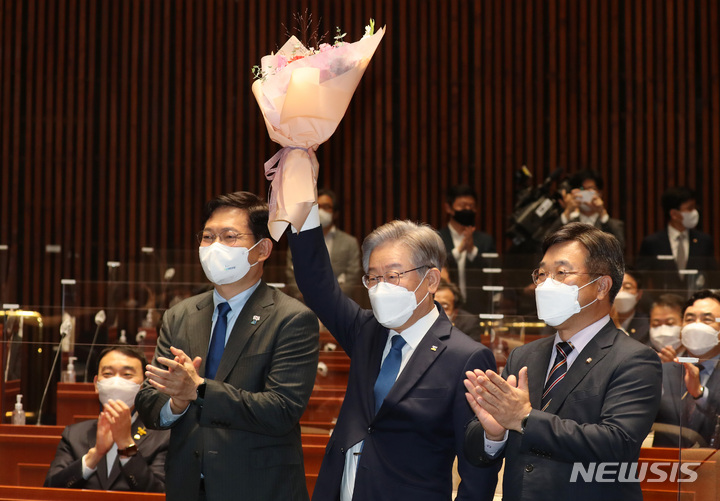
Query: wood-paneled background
{"points": [[120, 118]]}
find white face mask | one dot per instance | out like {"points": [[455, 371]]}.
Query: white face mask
{"points": [[625, 302], [117, 388], [664, 335], [556, 301], [699, 338], [325, 218], [690, 219], [393, 305], [225, 265]]}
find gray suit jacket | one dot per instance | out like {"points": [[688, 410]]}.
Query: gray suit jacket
{"points": [[604, 409], [144, 472], [245, 437]]}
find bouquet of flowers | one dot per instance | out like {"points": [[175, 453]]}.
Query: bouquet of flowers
{"points": [[303, 94]]}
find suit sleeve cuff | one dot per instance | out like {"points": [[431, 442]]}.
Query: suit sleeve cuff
{"points": [[493, 448]]}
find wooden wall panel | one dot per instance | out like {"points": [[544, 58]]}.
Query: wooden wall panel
{"points": [[119, 119]]}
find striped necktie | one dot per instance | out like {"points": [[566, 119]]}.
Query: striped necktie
{"points": [[557, 373]]}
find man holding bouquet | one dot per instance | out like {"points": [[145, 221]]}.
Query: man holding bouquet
{"points": [[404, 416]]}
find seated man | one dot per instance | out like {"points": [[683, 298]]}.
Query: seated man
{"points": [[665, 324], [464, 245], [449, 297], [630, 317], [679, 246], [584, 203], [114, 452], [691, 397]]}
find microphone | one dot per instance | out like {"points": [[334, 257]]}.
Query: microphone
{"points": [[100, 318], [65, 329]]}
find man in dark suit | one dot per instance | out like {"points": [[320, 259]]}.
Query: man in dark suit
{"points": [[679, 246], [584, 204], [114, 452], [691, 392], [465, 246], [343, 248], [582, 397], [403, 419], [628, 313], [233, 400], [449, 297]]}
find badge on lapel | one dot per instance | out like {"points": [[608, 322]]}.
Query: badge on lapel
{"points": [[255, 319], [140, 433]]}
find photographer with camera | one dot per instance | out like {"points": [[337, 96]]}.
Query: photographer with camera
{"points": [[584, 203]]}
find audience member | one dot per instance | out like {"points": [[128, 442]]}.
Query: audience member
{"points": [[679, 246], [449, 297], [593, 404], [114, 452], [403, 419], [234, 398], [343, 248], [584, 203], [464, 244], [666, 315], [629, 315], [691, 392]]}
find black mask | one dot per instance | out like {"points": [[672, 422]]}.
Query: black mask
{"points": [[465, 217]]}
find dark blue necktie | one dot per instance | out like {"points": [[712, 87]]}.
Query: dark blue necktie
{"points": [[557, 373], [217, 343], [388, 371]]}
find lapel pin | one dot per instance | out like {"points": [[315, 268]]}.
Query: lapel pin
{"points": [[433, 348], [137, 436], [588, 360], [255, 319]]}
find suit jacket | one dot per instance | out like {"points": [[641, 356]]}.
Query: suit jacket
{"points": [[345, 261], [469, 324], [245, 436], [484, 243], [639, 328], [701, 256], [410, 445], [144, 472], [678, 411], [604, 409]]}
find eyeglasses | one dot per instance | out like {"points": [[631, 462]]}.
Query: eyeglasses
{"points": [[539, 276], [391, 277], [227, 237]]}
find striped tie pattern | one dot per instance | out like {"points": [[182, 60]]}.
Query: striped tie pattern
{"points": [[557, 373]]}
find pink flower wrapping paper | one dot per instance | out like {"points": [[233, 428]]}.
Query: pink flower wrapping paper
{"points": [[302, 99]]}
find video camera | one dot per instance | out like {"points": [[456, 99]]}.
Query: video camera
{"points": [[537, 210]]}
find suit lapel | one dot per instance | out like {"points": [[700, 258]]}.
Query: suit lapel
{"points": [[593, 352], [199, 329], [253, 315], [425, 354], [537, 363]]}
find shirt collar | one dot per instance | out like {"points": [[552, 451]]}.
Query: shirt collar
{"points": [[673, 233], [236, 302], [581, 338], [414, 334]]}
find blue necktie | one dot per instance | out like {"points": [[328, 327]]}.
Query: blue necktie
{"points": [[217, 344], [557, 373], [388, 371]]}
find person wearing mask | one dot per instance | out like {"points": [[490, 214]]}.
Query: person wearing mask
{"points": [[665, 324], [678, 247], [233, 370], [584, 203], [586, 395], [691, 391], [465, 245], [449, 297], [403, 419], [343, 248], [115, 451], [628, 314]]}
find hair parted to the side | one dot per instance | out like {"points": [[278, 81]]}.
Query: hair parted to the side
{"points": [[669, 300], [454, 290], [605, 255], [254, 206], [126, 350], [701, 294], [424, 243]]}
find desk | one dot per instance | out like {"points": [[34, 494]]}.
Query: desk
{"points": [[14, 493], [704, 462]]}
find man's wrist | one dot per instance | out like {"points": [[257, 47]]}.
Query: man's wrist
{"points": [[177, 406], [701, 392], [92, 458]]}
